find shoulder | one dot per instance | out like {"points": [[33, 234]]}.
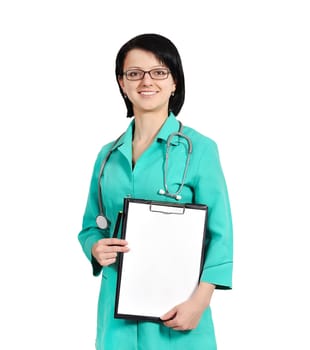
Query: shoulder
{"points": [[105, 148], [199, 141], [205, 156], [103, 152]]}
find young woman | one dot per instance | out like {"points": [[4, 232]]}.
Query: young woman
{"points": [[150, 77]]}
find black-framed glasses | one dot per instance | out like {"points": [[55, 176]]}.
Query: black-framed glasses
{"points": [[138, 74]]}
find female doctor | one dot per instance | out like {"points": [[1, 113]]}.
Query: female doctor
{"points": [[150, 77]]}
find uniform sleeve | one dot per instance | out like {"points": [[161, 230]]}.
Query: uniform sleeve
{"points": [[90, 233], [211, 190]]}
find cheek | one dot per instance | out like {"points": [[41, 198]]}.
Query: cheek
{"points": [[128, 89]]}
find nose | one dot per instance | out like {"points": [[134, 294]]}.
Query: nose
{"points": [[147, 78]]}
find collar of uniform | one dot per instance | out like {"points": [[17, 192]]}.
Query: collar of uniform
{"points": [[170, 126], [125, 138], [124, 143]]}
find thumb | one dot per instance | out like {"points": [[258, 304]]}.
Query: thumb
{"points": [[169, 315]]}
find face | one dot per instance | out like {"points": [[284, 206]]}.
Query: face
{"points": [[146, 95]]}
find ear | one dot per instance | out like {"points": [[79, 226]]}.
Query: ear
{"points": [[174, 87], [121, 83]]}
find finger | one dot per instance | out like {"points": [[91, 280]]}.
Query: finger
{"points": [[108, 256], [114, 249], [171, 322], [108, 244], [115, 241], [169, 315], [107, 262], [107, 259], [177, 325]]}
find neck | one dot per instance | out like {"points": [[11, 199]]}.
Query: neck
{"points": [[146, 129], [147, 126]]}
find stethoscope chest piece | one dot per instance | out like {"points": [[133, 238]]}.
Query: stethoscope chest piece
{"points": [[101, 222]]}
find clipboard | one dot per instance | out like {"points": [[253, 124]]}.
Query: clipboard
{"points": [[163, 266]]}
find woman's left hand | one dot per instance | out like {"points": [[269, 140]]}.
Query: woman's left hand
{"points": [[186, 315], [183, 317]]}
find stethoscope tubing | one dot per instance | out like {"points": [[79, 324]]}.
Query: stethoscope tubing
{"points": [[166, 192], [101, 220]]}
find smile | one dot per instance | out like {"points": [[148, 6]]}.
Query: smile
{"points": [[147, 93]]}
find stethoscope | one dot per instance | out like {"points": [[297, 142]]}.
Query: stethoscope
{"points": [[101, 220]]}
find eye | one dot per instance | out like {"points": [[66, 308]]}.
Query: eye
{"points": [[133, 73], [160, 72]]}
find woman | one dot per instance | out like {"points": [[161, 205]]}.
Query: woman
{"points": [[150, 77]]}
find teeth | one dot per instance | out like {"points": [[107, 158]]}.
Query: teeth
{"points": [[148, 93]]}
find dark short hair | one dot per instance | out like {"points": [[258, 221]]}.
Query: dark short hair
{"points": [[167, 53]]}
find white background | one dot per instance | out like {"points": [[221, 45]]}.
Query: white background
{"points": [[247, 78]]}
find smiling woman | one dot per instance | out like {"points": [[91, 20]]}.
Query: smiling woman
{"points": [[156, 151]]}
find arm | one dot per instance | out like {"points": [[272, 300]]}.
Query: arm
{"points": [[90, 233], [210, 189]]}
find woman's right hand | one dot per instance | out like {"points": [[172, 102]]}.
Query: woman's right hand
{"points": [[106, 249]]}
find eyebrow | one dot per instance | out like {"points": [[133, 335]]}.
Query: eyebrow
{"points": [[154, 67]]}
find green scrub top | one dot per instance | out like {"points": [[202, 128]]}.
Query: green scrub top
{"points": [[204, 184]]}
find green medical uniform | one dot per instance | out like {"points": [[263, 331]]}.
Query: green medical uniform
{"points": [[205, 184]]}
